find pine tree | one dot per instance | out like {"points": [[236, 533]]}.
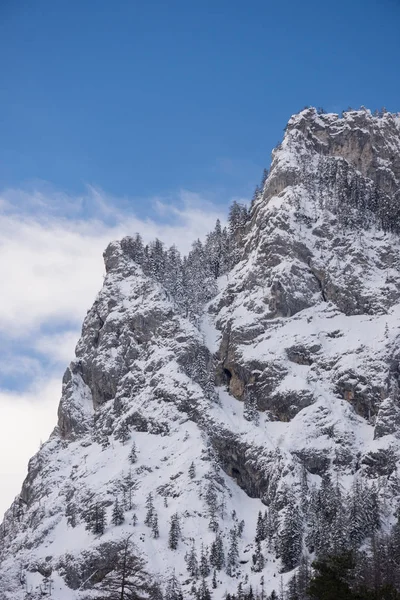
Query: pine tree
{"points": [[331, 576], [71, 514], [250, 412], [95, 519], [260, 528], [174, 532], [290, 538], [192, 471], [129, 484], [292, 590], [134, 519], [204, 567], [233, 553], [192, 562], [258, 559], [117, 517], [133, 454], [173, 591], [213, 522], [240, 528], [217, 557], [204, 592], [157, 260], [173, 275], [154, 526], [214, 580], [149, 510], [124, 433]]}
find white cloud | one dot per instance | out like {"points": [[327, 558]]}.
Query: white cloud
{"points": [[51, 268], [59, 347], [27, 418]]}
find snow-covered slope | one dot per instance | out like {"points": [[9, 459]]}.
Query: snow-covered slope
{"points": [[288, 376]]}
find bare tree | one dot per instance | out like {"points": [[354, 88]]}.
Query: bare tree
{"points": [[126, 579]]}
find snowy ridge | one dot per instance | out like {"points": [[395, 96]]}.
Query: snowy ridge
{"points": [[277, 383]]}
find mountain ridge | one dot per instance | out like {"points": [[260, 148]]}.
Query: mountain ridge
{"points": [[267, 359]]}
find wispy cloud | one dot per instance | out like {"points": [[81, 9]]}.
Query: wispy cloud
{"points": [[51, 268]]}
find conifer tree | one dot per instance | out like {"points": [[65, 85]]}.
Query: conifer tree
{"points": [[192, 471], [154, 526], [95, 519], [149, 510], [133, 454], [204, 592], [174, 532], [71, 514], [192, 562], [233, 553], [290, 538], [117, 517], [217, 558], [214, 580], [260, 528], [258, 559], [124, 432], [173, 590], [204, 567]]}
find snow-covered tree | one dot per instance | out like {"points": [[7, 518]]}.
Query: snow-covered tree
{"points": [[133, 454], [174, 532], [117, 517]]}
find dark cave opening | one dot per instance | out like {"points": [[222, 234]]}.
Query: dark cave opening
{"points": [[235, 473], [228, 375]]}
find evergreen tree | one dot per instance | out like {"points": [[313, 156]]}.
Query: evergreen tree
{"points": [[204, 592], [258, 559], [292, 590], [331, 578], [192, 471], [149, 510], [250, 412], [192, 562], [174, 532], [71, 514], [173, 275], [240, 528], [129, 484], [173, 591], [217, 557], [260, 528], [95, 519], [290, 538], [204, 567], [233, 553], [214, 580], [133, 454], [117, 517], [157, 260], [124, 433], [154, 526]]}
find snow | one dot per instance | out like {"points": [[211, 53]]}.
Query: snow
{"points": [[170, 418]]}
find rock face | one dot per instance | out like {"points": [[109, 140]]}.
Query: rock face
{"points": [[290, 373]]}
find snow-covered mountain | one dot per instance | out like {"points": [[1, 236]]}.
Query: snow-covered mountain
{"points": [[230, 416]]}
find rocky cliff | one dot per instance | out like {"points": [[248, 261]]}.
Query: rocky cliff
{"points": [[196, 411]]}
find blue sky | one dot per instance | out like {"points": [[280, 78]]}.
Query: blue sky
{"points": [[142, 98], [149, 116]]}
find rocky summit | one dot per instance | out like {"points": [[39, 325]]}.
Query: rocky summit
{"points": [[232, 415]]}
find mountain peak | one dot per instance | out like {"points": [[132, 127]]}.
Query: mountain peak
{"points": [[215, 399]]}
